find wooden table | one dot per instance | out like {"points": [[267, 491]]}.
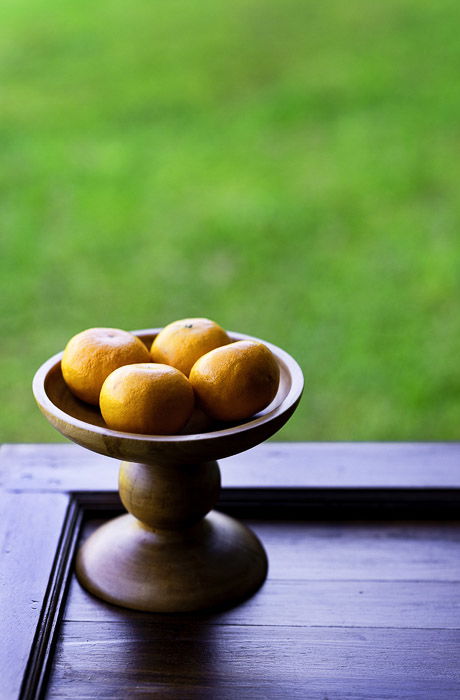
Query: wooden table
{"points": [[362, 599]]}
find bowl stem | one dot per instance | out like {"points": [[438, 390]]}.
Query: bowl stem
{"points": [[167, 554]]}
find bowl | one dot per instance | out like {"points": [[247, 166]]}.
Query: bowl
{"points": [[171, 552], [83, 423]]}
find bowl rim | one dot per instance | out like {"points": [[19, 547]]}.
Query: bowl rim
{"points": [[290, 400]]}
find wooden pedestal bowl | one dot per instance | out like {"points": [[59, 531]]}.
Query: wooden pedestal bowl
{"points": [[169, 553]]}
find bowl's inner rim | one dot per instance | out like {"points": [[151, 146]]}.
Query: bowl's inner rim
{"points": [[287, 363]]}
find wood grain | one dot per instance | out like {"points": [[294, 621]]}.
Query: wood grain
{"points": [[378, 604], [30, 528], [340, 575], [186, 660], [379, 550], [61, 467], [351, 609]]}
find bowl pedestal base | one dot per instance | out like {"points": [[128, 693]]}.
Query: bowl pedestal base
{"points": [[167, 555]]}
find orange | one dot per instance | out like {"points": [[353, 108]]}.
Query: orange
{"points": [[90, 356], [235, 381], [147, 398], [181, 343]]}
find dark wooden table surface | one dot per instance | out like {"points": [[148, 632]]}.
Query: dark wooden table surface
{"points": [[362, 598]]}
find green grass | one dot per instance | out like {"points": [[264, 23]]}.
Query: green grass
{"points": [[289, 169]]}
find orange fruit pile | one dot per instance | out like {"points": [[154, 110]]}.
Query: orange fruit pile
{"points": [[192, 363]]}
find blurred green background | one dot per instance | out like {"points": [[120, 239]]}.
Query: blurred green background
{"points": [[290, 169]]}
